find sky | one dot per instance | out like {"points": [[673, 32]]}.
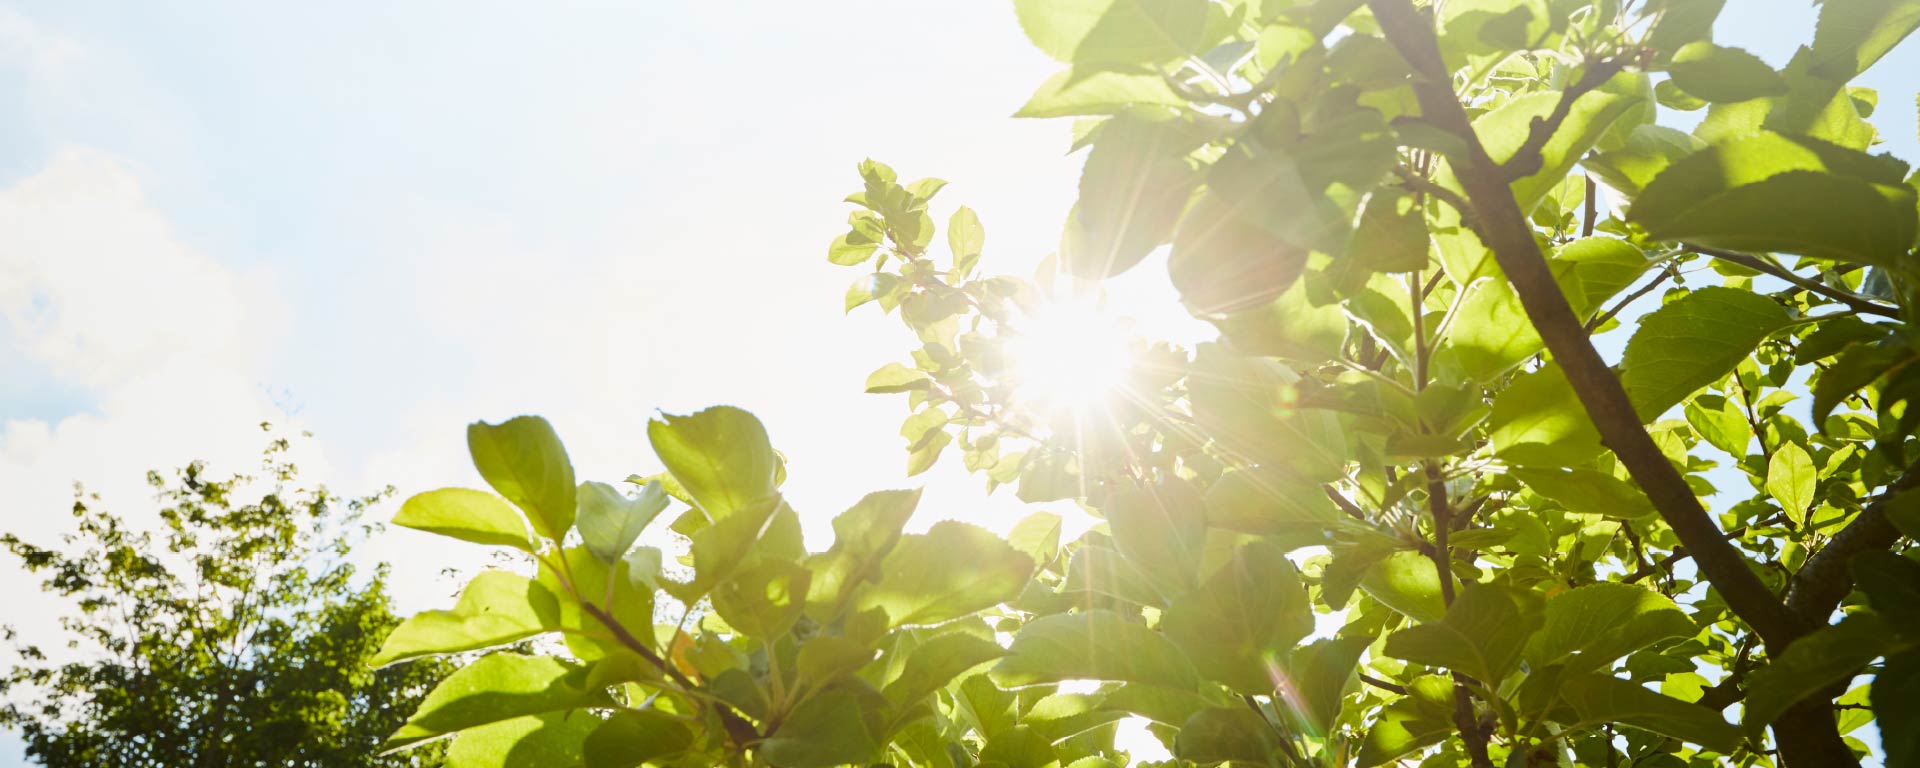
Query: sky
{"points": [[381, 221]]}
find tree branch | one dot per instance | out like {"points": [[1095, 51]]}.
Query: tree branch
{"points": [[1417, 182], [1511, 239], [1808, 737], [1602, 318], [1382, 684], [1528, 160], [1852, 300], [1823, 581], [739, 731]]}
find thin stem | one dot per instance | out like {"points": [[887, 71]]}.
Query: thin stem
{"points": [[1853, 301], [1602, 318]]}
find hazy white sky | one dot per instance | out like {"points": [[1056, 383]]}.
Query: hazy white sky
{"points": [[380, 221]]}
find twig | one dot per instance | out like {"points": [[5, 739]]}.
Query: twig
{"points": [[1807, 736], [1382, 684], [739, 731], [1853, 301], [1823, 581], [1595, 323], [1418, 182], [1528, 160], [1345, 505], [1592, 209]]}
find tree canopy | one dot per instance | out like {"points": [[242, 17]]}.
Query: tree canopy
{"points": [[1402, 510], [238, 637]]}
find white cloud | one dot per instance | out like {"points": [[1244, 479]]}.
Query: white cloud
{"points": [[33, 48], [98, 294]]}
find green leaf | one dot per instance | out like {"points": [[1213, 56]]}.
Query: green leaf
{"points": [[862, 535], [1722, 425], [1018, 747], [827, 730], [1391, 235], [1162, 529], [950, 571], [1238, 402], [1693, 342], [523, 460], [1168, 706], [1222, 263], [1133, 188], [1408, 582], [1482, 635], [496, 608], [631, 738], [1289, 327], [1860, 365], [1648, 151], [1850, 37], [763, 600], [1099, 91], [1833, 336], [591, 579], [497, 687], [1599, 623], [938, 661], [1095, 645], [1587, 491], [923, 456], [1066, 715], [1038, 535], [965, 237], [1825, 657], [1226, 734], [1101, 570], [1305, 190], [1321, 671], [1250, 611], [467, 515], [894, 377], [1892, 585], [923, 190], [720, 455], [851, 249], [827, 658], [1719, 74], [1491, 333], [1271, 502], [610, 521], [1770, 192], [1538, 421], [1505, 129], [1896, 710], [536, 741], [1402, 727], [1047, 476], [1790, 479], [1599, 698], [1115, 31], [1592, 270]]}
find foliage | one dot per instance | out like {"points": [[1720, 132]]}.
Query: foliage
{"points": [[1408, 225], [779, 655], [239, 637]]}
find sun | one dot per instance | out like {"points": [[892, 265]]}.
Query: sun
{"points": [[1070, 355]]}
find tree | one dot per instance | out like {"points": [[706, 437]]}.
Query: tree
{"points": [[1409, 224], [238, 638]]}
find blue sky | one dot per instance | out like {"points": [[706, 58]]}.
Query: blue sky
{"points": [[382, 221]]}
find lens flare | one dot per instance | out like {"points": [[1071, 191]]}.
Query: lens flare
{"points": [[1070, 355]]}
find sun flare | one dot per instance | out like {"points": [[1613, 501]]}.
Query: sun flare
{"points": [[1071, 355]]}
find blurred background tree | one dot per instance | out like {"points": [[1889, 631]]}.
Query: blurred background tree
{"points": [[235, 634]]}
